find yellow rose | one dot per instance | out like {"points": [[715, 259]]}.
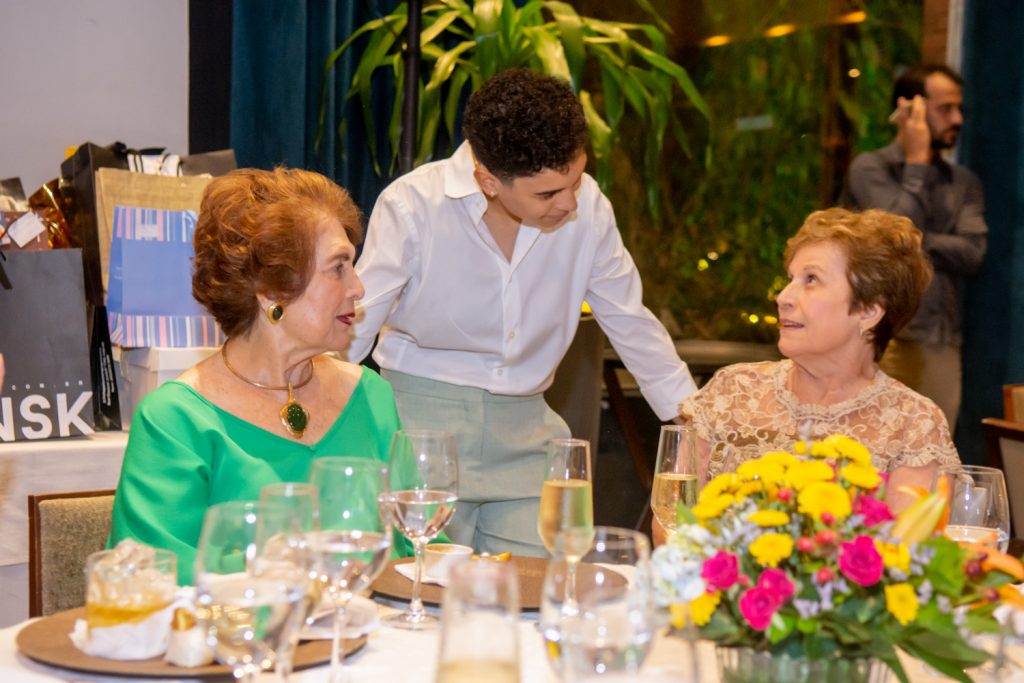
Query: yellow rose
{"points": [[824, 496], [901, 601], [864, 476], [711, 508], [723, 483], [771, 548], [803, 473], [894, 555], [764, 518], [760, 470], [702, 607]]}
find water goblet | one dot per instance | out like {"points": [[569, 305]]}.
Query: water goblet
{"points": [[979, 511], [424, 487], [675, 474], [354, 540]]}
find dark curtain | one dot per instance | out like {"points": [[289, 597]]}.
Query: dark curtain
{"points": [[992, 145], [278, 53]]}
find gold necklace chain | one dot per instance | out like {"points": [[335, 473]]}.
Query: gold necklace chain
{"points": [[236, 373], [294, 417]]}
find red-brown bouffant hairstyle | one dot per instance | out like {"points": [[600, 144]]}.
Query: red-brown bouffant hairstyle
{"points": [[885, 264], [257, 233]]}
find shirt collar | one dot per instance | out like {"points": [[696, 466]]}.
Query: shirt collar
{"points": [[458, 174]]}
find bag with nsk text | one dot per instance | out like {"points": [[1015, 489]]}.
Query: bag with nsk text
{"points": [[149, 294], [47, 390]]}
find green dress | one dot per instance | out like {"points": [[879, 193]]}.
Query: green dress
{"points": [[185, 454]]}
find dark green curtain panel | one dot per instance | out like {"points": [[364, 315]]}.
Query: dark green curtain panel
{"points": [[278, 52], [993, 146]]}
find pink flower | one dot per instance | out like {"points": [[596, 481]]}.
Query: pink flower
{"points": [[721, 571], [875, 511], [777, 584], [860, 561], [758, 606]]}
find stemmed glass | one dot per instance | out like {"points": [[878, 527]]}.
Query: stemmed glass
{"points": [[354, 540], [675, 474], [979, 511], [304, 502], [252, 569], [567, 502], [424, 488]]}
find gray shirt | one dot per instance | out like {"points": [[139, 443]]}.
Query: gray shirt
{"points": [[945, 202]]}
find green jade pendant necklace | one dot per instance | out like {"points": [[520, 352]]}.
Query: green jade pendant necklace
{"points": [[294, 416]]}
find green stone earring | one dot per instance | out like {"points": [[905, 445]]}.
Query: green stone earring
{"points": [[274, 313]]}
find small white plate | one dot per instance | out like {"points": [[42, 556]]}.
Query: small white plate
{"points": [[362, 619]]}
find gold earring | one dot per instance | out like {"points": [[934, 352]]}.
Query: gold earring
{"points": [[274, 313]]}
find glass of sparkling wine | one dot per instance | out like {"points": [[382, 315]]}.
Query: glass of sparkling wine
{"points": [[424, 486], [304, 501], [979, 510], [567, 502], [353, 542], [675, 474], [479, 624], [252, 572]]}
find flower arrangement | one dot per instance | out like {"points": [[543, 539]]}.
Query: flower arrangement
{"points": [[799, 554]]}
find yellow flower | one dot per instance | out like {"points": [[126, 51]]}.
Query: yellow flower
{"points": [[769, 518], [901, 601], [848, 448], [723, 483], [780, 458], [824, 496], [800, 447], [749, 487], [864, 476], [894, 555], [823, 449], [771, 548], [803, 473], [760, 470], [711, 508], [702, 607]]}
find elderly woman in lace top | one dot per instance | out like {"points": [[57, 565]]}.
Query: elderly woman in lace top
{"points": [[855, 279]]}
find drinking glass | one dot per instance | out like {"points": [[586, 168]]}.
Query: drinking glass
{"points": [[610, 627], [979, 511], [567, 502], [128, 583], [354, 540], [304, 502], [424, 486], [479, 624], [252, 569], [675, 474]]}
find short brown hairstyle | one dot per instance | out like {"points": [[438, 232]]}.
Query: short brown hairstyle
{"points": [[257, 233], [885, 264]]}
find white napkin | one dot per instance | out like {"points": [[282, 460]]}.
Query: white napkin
{"points": [[139, 640], [361, 618], [408, 570]]}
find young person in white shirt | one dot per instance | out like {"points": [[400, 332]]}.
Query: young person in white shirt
{"points": [[475, 268]]}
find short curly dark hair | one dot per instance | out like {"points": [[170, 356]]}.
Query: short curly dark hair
{"points": [[257, 233], [521, 122]]}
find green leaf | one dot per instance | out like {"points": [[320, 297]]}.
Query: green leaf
{"points": [[945, 571], [600, 140], [570, 27], [780, 627], [679, 74], [438, 27], [485, 32], [375, 56], [549, 50], [684, 515], [451, 104], [649, 8]]}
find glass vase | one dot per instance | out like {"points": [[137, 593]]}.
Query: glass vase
{"points": [[746, 665]]}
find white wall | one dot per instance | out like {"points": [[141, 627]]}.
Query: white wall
{"points": [[73, 71]]}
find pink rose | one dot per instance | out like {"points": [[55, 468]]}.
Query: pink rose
{"points": [[721, 571], [758, 606], [860, 562], [777, 584], [874, 511]]}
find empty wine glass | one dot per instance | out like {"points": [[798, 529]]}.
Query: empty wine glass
{"points": [[675, 474], [354, 540], [979, 511], [424, 486], [252, 569]]}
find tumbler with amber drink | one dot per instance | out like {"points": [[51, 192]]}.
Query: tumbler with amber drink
{"points": [[128, 584]]}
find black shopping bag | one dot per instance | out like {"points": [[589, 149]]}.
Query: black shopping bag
{"points": [[47, 391]]}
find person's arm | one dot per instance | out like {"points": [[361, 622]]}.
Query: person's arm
{"points": [[963, 250], [912, 478], [872, 185], [384, 267]]}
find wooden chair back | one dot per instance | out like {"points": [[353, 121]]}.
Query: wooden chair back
{"points": [[1004, 441], [1013, 402]]}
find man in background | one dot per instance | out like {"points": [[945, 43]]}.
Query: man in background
{"points": [[911, 177]]}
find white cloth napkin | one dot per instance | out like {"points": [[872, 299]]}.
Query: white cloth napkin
{"points": [[408, 570], [360, 618], [138, 640]]}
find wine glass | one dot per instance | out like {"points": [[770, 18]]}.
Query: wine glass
{"points": [[479, 624], [675, 474], [304, 502], [424, 486], [979, 511], [252, 569], [354, 539], [567, 502], [610, 628]]}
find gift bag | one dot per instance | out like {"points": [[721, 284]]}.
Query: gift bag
{"points": [[47, 391], [149, 294]]}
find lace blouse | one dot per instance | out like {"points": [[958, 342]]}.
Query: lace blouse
{"points": [[747, 409]]}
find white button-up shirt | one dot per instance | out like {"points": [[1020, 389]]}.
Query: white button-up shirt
{"points": [[450, 307]]}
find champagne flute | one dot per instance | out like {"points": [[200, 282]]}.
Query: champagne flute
{"points": [[979, 511], [675, 474], [251, 575], [567, 502], [354, 539], [424, 486], [304, 502]]}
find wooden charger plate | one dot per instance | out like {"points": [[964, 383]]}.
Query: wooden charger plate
{"points": [[47, 641], [531, 571]]}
